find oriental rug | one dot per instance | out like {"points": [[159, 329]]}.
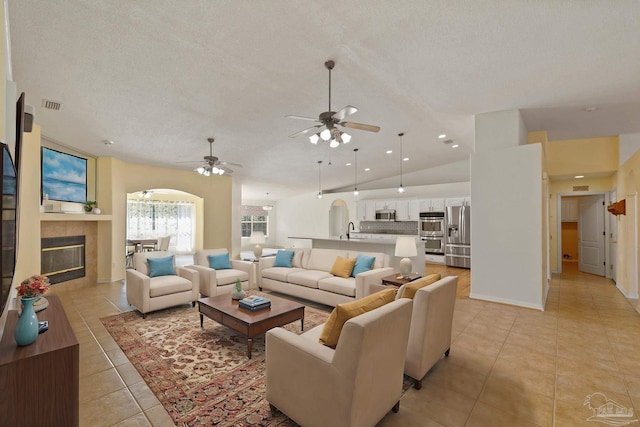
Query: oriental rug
{"points": [[202, 376]]}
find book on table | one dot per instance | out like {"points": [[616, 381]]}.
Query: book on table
{"points": [[254, 303]]}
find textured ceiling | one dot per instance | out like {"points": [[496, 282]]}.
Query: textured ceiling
{"points": [[159, 77]]}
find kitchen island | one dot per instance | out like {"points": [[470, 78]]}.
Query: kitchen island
{"points": [[384, 245]]}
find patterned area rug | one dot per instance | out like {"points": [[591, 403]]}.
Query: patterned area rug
{"points": [[202, 376]]}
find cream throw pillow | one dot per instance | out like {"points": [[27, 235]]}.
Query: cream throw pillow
{"points": [[343, 312]]}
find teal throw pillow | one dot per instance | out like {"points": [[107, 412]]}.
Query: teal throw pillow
{"points": [[219, 262], [161, 266], [283, 259], [363, 263]]}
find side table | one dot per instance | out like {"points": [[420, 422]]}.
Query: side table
{"points": [[398, 280]]}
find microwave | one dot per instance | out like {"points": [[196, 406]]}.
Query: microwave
{"points": [[386, 215]]}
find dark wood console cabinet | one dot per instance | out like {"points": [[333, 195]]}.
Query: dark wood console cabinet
{"points": [[39, 383]]}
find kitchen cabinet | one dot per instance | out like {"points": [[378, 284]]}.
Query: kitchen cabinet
{"points": [[569, 210], [458, 201], [407, 210], [432, 205], [385, 205], [366, 210]]}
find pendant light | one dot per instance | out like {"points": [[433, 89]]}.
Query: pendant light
{"points": [[319, 180], [355, 162], [401, 188]]}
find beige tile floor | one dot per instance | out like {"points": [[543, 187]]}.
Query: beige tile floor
{"points": [[508, 366]]}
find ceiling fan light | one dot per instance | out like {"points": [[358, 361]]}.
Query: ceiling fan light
{"points": [[220, 171], [147, 194], [215, 170], [200, 170], [206, 172], [314, 138], [346, 137], [325, 135]]}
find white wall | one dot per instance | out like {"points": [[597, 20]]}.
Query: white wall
{"points": [[498, 130], [506, 225], [628, 146]]}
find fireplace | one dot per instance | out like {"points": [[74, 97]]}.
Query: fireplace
{"points": [[63, 258]]}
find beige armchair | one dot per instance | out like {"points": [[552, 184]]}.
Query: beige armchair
{"points": [[354, 385], [430, 332], [219, 282], [154, 293]]}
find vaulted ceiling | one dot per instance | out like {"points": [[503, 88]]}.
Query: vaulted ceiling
{"points": [[159, 77]]}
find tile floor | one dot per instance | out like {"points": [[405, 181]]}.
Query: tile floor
{"points": [[508, 366]]}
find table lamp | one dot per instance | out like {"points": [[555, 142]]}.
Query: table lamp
{"points": [[406, 247], [257, 237]]}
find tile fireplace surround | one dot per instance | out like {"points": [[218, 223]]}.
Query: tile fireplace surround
{"points": [[89, 229]]}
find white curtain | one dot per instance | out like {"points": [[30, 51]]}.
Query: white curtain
{"points": [[151, 219]]}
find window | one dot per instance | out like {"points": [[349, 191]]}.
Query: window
{"points": [[254, 218], [157, 218]]}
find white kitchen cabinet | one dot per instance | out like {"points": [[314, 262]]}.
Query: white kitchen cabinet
{"points": [[366, 210], [569, 210], [382, 205], [432, 205], [458, 201], [414, 210], [402, 210]]}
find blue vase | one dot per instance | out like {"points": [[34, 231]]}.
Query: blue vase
{"points": [[26, 330]]}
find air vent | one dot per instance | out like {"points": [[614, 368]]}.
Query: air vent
{"points": [[447, 141], [580, 188], [51, 105]]}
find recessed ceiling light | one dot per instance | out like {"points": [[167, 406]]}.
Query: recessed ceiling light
{"points": [[405, 159], [443, 136], [367, 169], [455, 146], [347, 164], [579, 176], [389, 151]]}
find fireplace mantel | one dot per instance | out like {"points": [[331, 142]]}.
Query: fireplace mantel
{"points": [[73, 217]]}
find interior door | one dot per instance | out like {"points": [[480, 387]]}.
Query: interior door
{"points": [[591, 236]]}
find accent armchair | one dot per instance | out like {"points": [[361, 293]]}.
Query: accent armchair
{"points": [[215, 282], [354, 385], [154, 293], [430, 332]]}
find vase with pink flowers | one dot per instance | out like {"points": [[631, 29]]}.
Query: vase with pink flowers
{"points": [[29, 291]]}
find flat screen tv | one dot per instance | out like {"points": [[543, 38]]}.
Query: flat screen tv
{"points": [[64, 176], [7, 222]]}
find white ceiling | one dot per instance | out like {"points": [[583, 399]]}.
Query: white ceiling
{"points": [[160, 76]]}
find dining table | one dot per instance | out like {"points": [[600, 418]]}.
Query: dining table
{"points": [[140, 244]]}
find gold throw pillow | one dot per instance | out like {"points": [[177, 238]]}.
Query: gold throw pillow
{"points": [[411, 288], [342, 267], [343, 312]]}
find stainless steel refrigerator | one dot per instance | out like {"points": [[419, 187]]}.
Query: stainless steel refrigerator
{"points": [[458, 236]]}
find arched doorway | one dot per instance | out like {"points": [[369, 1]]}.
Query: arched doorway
{"points": [[338, 218]]}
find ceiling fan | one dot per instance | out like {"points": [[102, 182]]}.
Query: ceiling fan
{"points": [[326, 129], [212, 165]]}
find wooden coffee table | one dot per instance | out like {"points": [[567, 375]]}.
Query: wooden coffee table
{"points": [[225, 311]]}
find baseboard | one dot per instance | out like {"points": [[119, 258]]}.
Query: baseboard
{"points": [[622, 291], [506, 301]]}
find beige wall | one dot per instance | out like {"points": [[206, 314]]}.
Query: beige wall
{"points": [[585, 156], [116, 179], [628, 185]]}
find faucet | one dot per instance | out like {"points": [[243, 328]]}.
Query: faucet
{"points": [[349, 227]]}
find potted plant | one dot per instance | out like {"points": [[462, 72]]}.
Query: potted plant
{"points": [[238, 293], [89, 205]]}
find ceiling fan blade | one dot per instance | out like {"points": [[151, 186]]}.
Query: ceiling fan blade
{"points": [[348, 110], [225, 169], [291, 116], [307, 130], [360, 126], [238, 165], [191, 161]]}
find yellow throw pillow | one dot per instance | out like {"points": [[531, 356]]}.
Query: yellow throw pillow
{"points": [[343, 267], [343, 312], [411, 288]]}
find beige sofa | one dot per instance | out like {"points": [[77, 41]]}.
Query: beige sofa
{"points": [[354, 385], [309, 276]]}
